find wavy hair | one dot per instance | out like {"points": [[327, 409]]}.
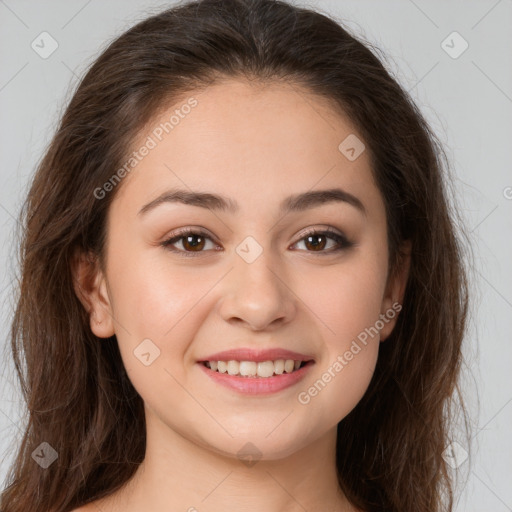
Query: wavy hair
{"points": [[77, 392]]}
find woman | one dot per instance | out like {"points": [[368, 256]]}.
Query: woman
{"points": [[241, 285]]}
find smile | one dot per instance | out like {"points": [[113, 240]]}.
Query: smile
{"points": [[256, 378], [262, 369]]}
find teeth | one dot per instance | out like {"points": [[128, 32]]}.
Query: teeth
{"points": [[263, 369], [233, 367], [248, 368], [279, 366], [289, 365]]}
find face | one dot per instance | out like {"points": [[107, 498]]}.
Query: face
{"points": [[272, 265]]}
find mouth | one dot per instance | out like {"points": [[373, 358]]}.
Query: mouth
{"points": [[256, 369], [257, 378]]}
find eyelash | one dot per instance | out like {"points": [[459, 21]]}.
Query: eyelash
{"points": [[341, 240]]}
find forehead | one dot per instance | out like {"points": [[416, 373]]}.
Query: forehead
{"points": [[244, 138]]}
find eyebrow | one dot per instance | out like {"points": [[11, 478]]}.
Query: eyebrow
{"points": [[294, 203]]}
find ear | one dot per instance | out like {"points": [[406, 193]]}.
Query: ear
{"points": [[91, 289], [395, 290]]}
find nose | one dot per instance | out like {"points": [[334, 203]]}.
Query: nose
{"points": [[257, 294]]}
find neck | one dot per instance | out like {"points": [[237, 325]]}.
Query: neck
{"points": [[179, 474]]}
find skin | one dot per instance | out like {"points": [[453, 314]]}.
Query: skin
{"points": [[256, 145]]}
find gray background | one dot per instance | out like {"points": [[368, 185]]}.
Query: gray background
{"points": [[468, 101]]}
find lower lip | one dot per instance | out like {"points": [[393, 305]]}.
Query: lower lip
{"points": [[258, 385]]}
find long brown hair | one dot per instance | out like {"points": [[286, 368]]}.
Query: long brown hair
{"points": [[79, 398]]}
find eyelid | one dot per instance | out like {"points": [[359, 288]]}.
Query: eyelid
{"points": [[194, 230], [180, 233], [342, 241], [325, 229], [339, 237]]}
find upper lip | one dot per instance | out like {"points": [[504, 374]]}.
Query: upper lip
{"points": [[247, 354]]}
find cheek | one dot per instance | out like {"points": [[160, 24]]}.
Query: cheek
{"points": [[338, 385], [165, 303], [158, 311], [348, 305], [152, 294], [346, 298]]}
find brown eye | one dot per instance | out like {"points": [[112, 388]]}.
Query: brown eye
{"points": [[193, 242], [317, 241]]}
